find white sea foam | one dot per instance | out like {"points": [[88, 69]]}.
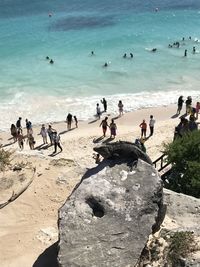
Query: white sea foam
{"points": [[44, 109]]}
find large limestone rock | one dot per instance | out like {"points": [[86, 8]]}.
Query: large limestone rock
{"points": [[108, 218]]}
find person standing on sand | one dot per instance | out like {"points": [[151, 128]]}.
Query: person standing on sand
{"points": [[50, 132], [76, 121], [18, 124], [143, 127], [180, 104], [98, 111], [69, 121], [151, 125], [20, 139], [121, 108], [13, 131], [43, 133], [104, 125], [104, 102], [28, 126], [56, 139], [31, 141], [113, 128]]}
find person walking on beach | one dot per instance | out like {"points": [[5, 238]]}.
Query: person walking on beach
{"points": [[28, 126], [143, 127], [104, 102], [104, 125], [151, 125], [50, 132], [113, 128], [13, 131], [98, 110], [20, 139], [56, 139], [18, 124], [43, 133], [31, 141], [69, 121], [121, 108], [188, 104], [76, 121], [180, 104]]}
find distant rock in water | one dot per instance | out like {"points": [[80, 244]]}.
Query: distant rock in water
{"points": [[109, 216]]}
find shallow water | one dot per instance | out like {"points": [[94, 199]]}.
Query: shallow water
{"points": [[31, 87]]}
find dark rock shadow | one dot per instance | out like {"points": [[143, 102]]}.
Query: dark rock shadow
{"points": [[90, 122], [175, 116], [117, 117], [48, 258], [43, 146], [97, 140], [54, 154]]}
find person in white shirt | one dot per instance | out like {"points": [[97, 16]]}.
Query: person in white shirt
{"points": [[98, 111], [43, 132], [151, 125]]}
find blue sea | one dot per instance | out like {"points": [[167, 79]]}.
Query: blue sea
{"points": [[68, 30]]}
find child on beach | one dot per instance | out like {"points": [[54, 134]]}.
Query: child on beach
{"points": [[76, 121], [143, 127], [113, 128], [121, 108], [104, 125], [43, 133], [98, 111]]}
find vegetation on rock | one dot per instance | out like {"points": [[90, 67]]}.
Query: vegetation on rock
{"points": [[184, 155]]}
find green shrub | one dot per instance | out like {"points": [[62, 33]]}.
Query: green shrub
{"points": [[181, 244], [184, 155]]}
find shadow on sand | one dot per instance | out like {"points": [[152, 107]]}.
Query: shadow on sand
{"points": [[48, 258], [98, 140]]}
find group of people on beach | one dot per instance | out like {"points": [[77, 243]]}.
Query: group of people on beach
{"points": [[190, 124], [104, 102], [113, 127], [20, 137]]}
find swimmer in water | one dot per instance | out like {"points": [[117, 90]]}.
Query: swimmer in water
{"points": [[50, 15], [131, 55], [194, 50], [105, 65], [92, 53], [124, 56], [154, 50], [47, 58], [51, 61], [185, 53]]}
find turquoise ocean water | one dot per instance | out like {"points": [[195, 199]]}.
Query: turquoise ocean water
{"points": [[31, 87]]}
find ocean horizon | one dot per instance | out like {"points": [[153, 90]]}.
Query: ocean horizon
{"points": [[68, 31]]}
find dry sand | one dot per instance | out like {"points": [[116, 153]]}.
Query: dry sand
{"points": [[29, 224]]}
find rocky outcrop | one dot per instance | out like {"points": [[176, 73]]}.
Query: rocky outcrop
{"points": [[181, 220], [108, 218]]}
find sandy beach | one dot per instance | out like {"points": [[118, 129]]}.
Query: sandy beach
{"points": [[29, 224]]}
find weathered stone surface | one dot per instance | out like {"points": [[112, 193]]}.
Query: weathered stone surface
{"points": [[108, 218]]}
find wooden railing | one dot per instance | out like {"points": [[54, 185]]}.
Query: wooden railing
{"points": [[162, 161]]}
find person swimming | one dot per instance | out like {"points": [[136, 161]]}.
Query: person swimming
{"points": [[51, 61], [185, 53], [131, 55], [194, 50], [92, 53], [124, 56], [47, 58], [105, 65], [154, 50]]}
